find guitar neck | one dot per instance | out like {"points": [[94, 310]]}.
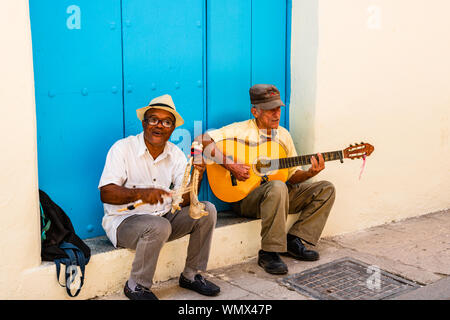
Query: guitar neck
{"points": [[306, 159]]}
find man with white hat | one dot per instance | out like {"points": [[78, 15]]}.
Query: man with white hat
{"points": [[145, 169]]}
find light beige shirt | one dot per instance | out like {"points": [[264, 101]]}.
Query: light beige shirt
{"points": [[248, 130], [129, 164]]}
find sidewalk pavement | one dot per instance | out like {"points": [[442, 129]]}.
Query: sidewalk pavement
{"points": [[417, 249]]}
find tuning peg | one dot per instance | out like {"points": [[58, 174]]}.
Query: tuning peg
{"points": [[351, 145], [362, 142]]}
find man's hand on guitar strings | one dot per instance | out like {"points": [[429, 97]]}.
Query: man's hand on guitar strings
{"points": [[239, 170]]}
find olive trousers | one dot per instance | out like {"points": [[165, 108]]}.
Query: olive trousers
{"points": [[147, 235], [274, 200]]}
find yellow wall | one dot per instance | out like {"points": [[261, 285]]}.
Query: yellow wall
{"points": [[376, 71], [354, 77]]}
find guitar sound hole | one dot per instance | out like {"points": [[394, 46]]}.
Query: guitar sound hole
{"points": [[264, 166]]}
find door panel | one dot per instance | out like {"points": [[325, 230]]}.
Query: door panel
{"points": [[78, 81], [269, 46], [163, 54], [228, 61], [228, 66]]}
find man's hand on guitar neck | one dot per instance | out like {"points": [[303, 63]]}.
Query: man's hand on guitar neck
{"points": [[316, 167]]}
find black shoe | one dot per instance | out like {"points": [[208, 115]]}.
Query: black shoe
{"points": [[297, 249], [139, 293], [271, 262], [200, 285]]}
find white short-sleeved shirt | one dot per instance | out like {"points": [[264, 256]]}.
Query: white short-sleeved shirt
{"points": [[129, 164]]}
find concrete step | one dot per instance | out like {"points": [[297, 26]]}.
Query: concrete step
{"points": [[235, 239]]}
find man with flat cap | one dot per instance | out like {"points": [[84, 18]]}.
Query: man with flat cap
{"points": [[145, 169], [273, 200]]}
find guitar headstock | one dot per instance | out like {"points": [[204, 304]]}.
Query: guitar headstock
{"points": [[358, 150]]}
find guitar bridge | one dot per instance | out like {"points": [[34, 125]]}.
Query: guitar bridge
{"points": [[264, 179]]}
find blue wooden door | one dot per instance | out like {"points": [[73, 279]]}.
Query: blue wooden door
{"points": [[96, 62], [78, 89]]}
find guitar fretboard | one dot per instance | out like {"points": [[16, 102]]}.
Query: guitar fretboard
{"points": [[306, 159]]}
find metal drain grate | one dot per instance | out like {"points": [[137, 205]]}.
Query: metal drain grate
{"points": [[348, 279]]}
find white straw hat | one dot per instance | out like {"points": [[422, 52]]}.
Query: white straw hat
{"points": [[163, 102]]}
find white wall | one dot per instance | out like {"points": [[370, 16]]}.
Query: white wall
{"points": [[376, 71], [19, 218]]}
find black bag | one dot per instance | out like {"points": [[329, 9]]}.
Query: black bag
{"points": [[60, 243]]}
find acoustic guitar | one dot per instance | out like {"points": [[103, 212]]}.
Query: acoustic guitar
{"points": [[267, 161]]}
